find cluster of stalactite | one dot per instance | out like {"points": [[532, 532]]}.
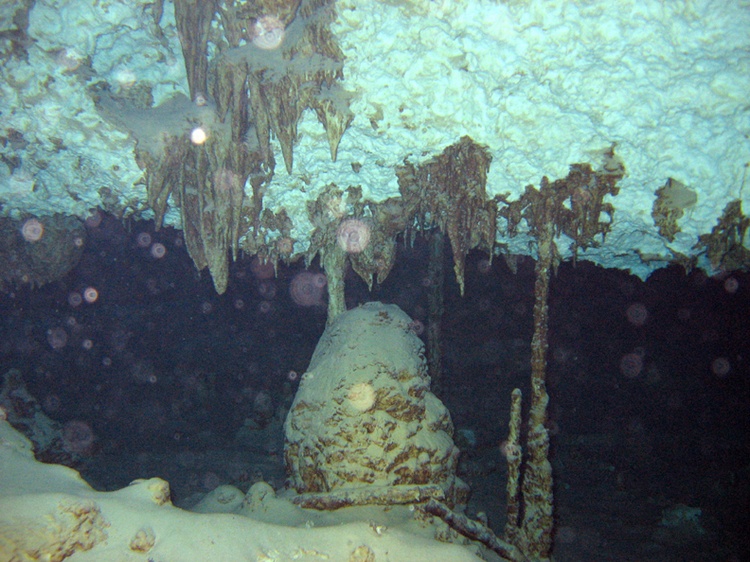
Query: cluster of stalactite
{"points": [[384, 221], [249, 93], [449, 191], [572, 205], [725, 245]]}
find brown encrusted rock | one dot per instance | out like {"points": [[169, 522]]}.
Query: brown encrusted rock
{"points": [[364, 416], [71, 527], [144, 540], [362, 553]]}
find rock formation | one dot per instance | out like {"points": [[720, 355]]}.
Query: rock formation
{"points": [[364, 427]]}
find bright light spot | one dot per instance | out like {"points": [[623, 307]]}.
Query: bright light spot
{"points": [[198, 135], [125, 78]]}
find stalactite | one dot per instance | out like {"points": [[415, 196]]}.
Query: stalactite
{"points": [[449, 191], [725, 245], [161, 174], [238, 98], [332, 108], [333, 260], [194, 19]]}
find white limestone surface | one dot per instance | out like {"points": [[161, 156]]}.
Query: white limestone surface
{"points": [[544, 84], [48, 512], [71, 160]]}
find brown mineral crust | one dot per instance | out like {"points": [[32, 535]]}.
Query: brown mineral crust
{"points": [[400, 408], [372, 495], [417, 392], [362, 553], [75, 526]]}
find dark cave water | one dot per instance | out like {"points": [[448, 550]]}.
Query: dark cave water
{"points": [[649, 382]]}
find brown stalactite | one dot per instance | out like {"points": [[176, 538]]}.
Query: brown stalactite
{"points": [[193, 24], [161, 175], [449, 191], [254, 92], [332, 108], [281, 100]]}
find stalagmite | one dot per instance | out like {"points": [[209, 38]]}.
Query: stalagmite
{"points": [[511, 450], [364, 427], [536, 488], [573, 206]]}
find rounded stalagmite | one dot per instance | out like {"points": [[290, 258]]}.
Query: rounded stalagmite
{"points": [[364, 427]]}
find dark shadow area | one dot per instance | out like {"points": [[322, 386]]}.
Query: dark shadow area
{"points": [[649, 382]]}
